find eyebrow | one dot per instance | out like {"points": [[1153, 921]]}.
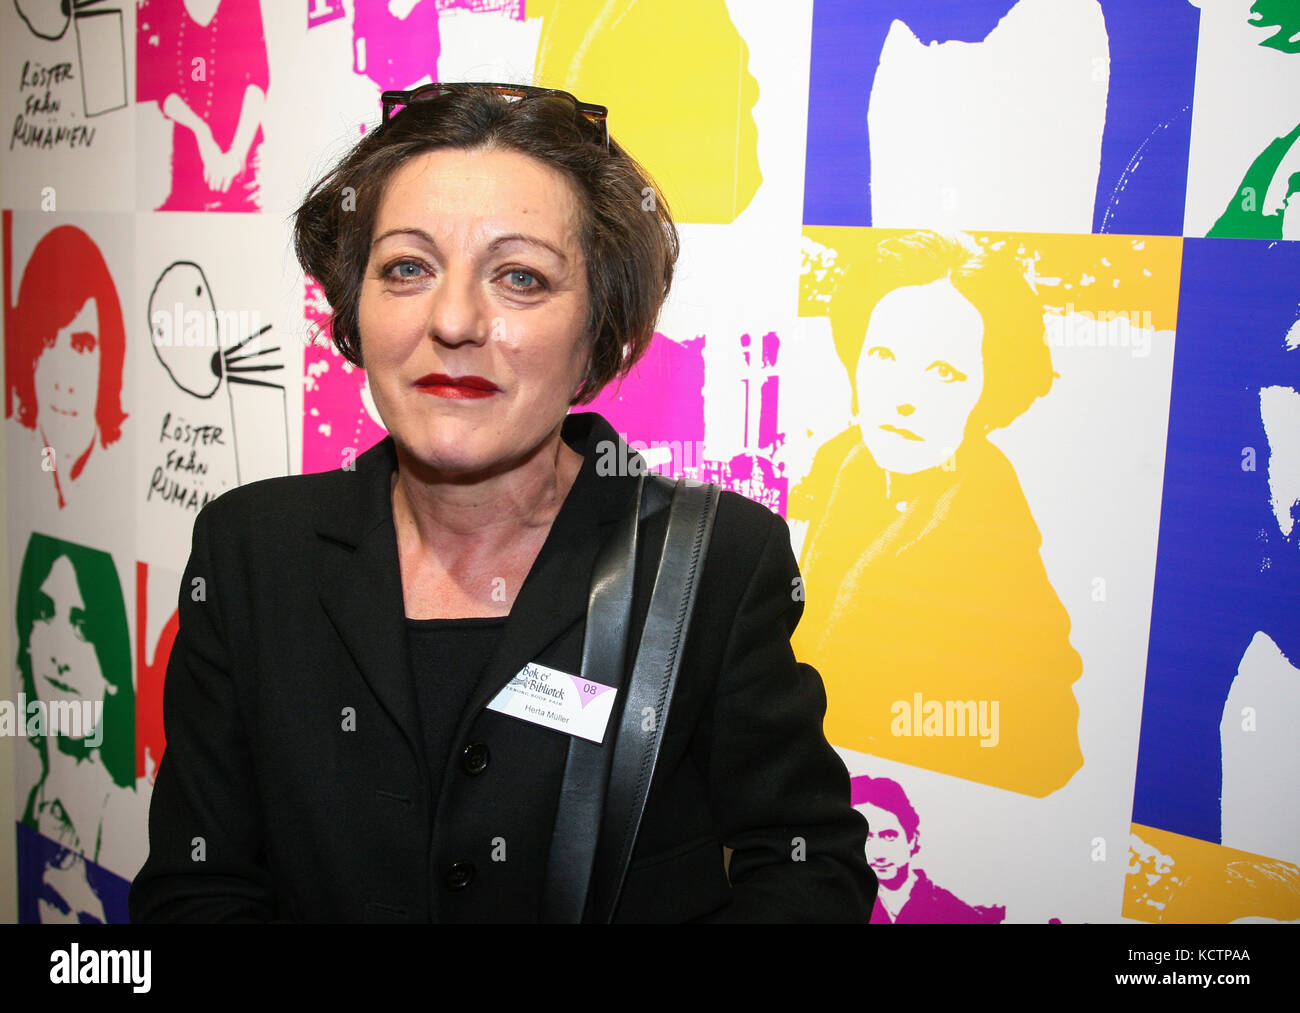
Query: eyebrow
{"points": [[418, 233], [519, 237], [499, 241]]}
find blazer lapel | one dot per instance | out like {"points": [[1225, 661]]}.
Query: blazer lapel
{"points": [[361, 585]]}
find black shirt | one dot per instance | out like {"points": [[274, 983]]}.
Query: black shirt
{"points": [[448, 657]]}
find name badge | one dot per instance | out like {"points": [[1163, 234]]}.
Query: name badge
{"points": [[554, 699]]}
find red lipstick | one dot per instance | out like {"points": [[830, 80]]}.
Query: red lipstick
{"points": [[457, 387]]}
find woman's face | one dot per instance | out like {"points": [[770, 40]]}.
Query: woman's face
{"points": [[473, 309], [67, 386], [64, 664], [919, 377]]}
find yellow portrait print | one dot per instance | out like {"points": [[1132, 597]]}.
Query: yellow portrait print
{"points": [[929, 612]]}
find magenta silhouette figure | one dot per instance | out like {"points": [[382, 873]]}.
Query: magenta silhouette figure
{"points": [[204, 63], [395, 52], [907, 895], [398, 53]]}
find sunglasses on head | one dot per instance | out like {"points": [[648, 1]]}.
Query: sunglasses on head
{"points": [[395, 101]]}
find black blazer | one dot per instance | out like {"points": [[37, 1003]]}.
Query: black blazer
{"points": [[268, 807]]}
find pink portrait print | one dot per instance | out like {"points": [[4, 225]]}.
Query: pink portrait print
{"points": [[204, 63]]}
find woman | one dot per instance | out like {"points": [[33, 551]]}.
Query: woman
{"points": [[74, 655], [64, 353], [930, 614], [331, 752]]}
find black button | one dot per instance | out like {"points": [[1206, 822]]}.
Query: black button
{"points": [[474, 759], [459, 876]]}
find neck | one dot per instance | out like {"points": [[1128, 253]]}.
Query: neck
{"points": [[202, 11], [898, 486], [483, 511], [71, 753]]}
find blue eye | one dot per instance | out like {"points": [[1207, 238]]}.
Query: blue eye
{"points": [[523, 280], [405, 270]]}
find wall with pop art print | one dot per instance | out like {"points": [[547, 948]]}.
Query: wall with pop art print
{"points": [[68, 388], [214, 351], [908, 894], [696, 124], [933, 306], [1049, 115], [340, 420], [74, 724], [64, 99], [203, 64], [1243, 175], [961, 581], [1219, 752]]}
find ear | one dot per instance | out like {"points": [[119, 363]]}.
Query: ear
{"points": [[916, 843]]}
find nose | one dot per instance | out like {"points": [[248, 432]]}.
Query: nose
{"points": [[457, 314]]}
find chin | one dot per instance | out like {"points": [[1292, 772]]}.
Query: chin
{"points": [[454, 452], [895, 459], [454, 458]]}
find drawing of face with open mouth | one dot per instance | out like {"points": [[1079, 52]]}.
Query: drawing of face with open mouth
{"points": [[183, 325]]}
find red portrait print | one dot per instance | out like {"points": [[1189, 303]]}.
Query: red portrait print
{"points": [[65, 283]]}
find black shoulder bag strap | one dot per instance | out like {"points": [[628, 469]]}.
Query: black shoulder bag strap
{"points": [[604, 790]]}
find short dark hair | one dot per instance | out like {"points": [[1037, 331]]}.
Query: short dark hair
{"points": [[626, 231], [1017, 358], [888, 795]]}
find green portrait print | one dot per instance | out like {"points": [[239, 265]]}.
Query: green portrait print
{"points": [[74, 645]]}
